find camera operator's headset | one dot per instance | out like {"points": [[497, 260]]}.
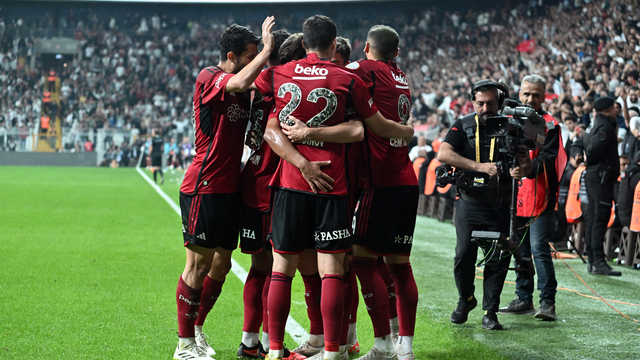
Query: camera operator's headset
{"points": [[503, 94]]}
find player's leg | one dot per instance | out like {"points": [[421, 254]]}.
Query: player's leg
{"points": [[400, 270], [352, 338], [283, 270], [308, 268], [330, 266], [388, 282]]}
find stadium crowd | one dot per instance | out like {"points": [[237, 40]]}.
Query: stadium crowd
{"points": [[135, 72]]}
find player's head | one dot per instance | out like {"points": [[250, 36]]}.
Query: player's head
{"points": [[279, 37], [239, 46], [291, 49], [343, 52], [319, 33], [382, 43]]}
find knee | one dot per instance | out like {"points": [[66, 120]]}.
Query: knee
{"points": [[221, 267]]}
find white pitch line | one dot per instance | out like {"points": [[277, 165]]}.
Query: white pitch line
{"points": [[297, 332]]}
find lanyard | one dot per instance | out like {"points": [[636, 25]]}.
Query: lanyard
{"points": [[493, 143]]}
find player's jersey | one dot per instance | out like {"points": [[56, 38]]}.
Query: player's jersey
{"points": [[157, 145], [262, 164], [387, 160], [220, 120], [316, 92]]}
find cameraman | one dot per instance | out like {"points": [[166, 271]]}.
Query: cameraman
{"points": [[537, 197], [467, 147], [603, 168]]}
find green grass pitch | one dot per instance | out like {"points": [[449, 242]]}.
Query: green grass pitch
{"points": [[90, 259]]}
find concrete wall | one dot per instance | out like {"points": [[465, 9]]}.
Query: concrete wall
{"points": [[48, 159]]}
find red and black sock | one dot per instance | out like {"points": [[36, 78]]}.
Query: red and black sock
{"points": [[312, 291], [391, 291], [332, 304], [279, 306], [211, 290], [252, 298], [355, 297], [374, 293], [407, 293], [265, 304], [188, 300]]}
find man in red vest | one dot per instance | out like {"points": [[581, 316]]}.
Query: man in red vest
{"points": [[537, 197]]}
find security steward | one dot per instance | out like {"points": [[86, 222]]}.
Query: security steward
{"points": [[603, 169], [630, 178], [466, 147]]}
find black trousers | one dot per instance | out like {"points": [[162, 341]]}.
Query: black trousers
{"points": [[469, 217], [598, 213]]}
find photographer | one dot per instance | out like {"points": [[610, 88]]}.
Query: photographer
{"points": [[603, 168], [537, 197], [467, 147]]}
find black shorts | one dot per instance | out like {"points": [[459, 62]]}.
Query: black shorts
{"points": [[210, 220], [156, 160], [254, 229], [307, 221], [385, 219]]}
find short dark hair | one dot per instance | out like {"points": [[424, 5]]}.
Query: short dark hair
{"points": [[279, 36], [343, 47], [634, 88], [235, 39], [291, 49], [319, 31], [384, 40]]}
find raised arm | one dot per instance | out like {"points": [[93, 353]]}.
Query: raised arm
{"points": [[242, 80], [347, 132], [277, 140]]}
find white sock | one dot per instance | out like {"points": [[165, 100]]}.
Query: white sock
{"points": [[265, 341], [343, 349], [276, 354], [198, 329], [331, 355], [383, 344], [404, 346], [395, 327], [316, 340], [250, 339], [186, 341], [352, 338]]}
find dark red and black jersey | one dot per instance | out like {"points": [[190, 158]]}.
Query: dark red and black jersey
{"points": [[220, 120], [316, 92], [387, 160], [262, 164]]}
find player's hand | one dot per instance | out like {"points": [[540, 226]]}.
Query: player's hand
{"points": [[318, 181], [252, 140], [267, 34], [489, 168], [298, 132]]}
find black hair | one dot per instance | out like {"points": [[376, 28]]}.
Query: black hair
{"points": [[319, 32], [279, 36], [384, 40], [291, 49], [343, 47], [235, 39]]}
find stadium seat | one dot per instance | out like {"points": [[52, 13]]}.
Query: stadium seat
{"points": [[628, 247]]}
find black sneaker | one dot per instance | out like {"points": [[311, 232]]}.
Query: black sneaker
{"points": [[604, 269], [518, 307], [546, 311], [254, 352], [461, 313], [490, 321]]}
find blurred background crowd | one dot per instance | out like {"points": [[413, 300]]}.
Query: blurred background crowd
{"points": [[136, 64]]}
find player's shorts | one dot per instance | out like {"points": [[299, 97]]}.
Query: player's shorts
{"points": [[254, 229], [210, 220], [385, 219], [307, 221], [156, 159]]}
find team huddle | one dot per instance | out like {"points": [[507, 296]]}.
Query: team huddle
{"points": [[329, 191]]}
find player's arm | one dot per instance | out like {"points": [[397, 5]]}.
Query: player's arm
{"points": [[387, 128], [280, 144], [242, 80], [346, 132]]}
